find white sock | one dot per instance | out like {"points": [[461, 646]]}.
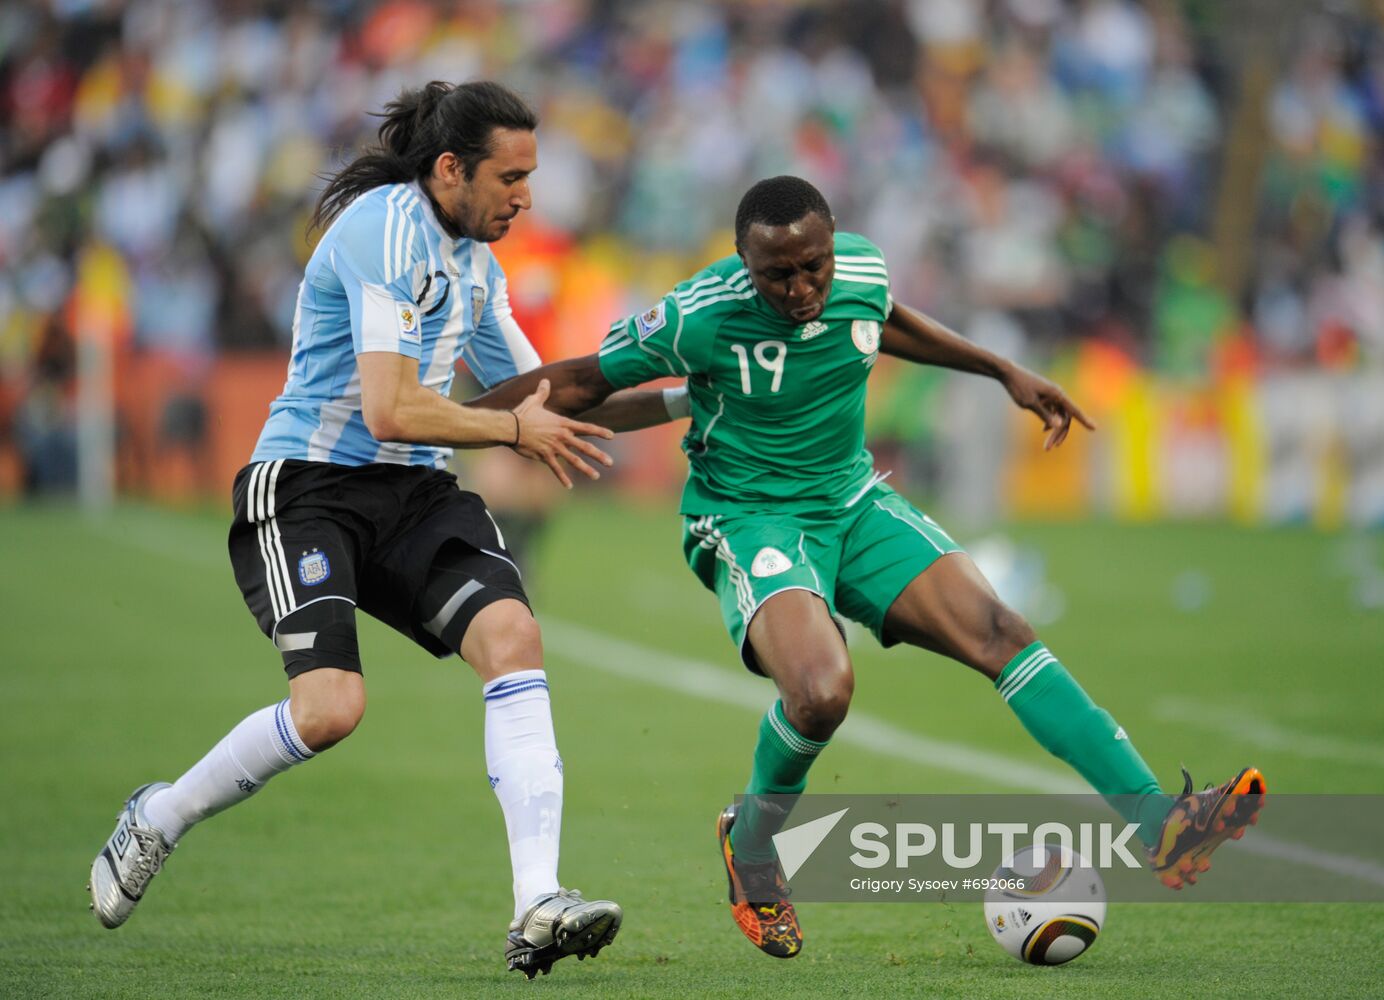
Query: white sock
{"points": [[526, 773], [264, 744]]}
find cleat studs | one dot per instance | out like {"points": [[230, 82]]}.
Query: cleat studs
{"points": [[1238, 834], [1204, 865], [1254, 819]]}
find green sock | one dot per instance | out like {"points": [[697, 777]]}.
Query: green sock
{"points": [[1061, 716], [782, 758]]}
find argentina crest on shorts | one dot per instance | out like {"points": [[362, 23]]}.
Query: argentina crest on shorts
{"points": [[313, 568]]}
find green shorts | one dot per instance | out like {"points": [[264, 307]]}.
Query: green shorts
{"points": [[858, 561]]}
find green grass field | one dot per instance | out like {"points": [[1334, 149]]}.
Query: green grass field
{"points": [[380, 869]]}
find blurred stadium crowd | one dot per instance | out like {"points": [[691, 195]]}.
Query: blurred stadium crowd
{"points": [[1196, 184]]}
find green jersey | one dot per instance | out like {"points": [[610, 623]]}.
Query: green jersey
{"points": [[778, 407]]}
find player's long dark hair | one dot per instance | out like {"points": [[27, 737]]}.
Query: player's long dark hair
{"points": [[419, 126]]}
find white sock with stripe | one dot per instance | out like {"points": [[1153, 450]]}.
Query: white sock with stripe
{"points": [[264, 744], [525, 771]]}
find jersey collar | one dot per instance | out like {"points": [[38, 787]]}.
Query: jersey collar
{"points": [[449, 245]]}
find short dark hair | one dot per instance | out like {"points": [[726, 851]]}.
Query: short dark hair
{"points": [[778, 201], [419, 126]]}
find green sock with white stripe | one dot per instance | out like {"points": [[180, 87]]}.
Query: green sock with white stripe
{"points": [[782, 758], [1061, 716]]}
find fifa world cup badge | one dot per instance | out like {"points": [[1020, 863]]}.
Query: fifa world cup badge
{"points": [[408, 322], [651, 321]]}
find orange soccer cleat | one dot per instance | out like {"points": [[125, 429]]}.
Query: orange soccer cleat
{"points": [[759, 898], [1199, 822]]}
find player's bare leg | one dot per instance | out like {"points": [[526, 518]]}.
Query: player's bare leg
{"points": [[797, 644], [324, 706], [951, 608], [800, 648], [504, 647]]}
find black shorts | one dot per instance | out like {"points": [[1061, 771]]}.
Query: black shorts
{"points": [[312, 541]]}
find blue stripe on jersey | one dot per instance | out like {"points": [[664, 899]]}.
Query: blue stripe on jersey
{"points": [[385, 277]]}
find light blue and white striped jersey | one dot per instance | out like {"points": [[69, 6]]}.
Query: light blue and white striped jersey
{"points": [[385, 277]]}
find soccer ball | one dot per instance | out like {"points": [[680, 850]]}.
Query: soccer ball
{"points": [[1045, 913]]}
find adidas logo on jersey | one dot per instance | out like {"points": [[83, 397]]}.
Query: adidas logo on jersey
{"points": [[814, 329]]}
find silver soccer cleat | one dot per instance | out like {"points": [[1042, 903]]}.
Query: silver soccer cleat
{"points": [[559, 925], [132, 856]]}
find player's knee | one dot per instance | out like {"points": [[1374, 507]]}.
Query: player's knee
{"points": [[327, 707], [504, 637], [817, 704], [1009, 632]]}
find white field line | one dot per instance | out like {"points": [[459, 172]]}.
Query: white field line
{"points": [[1255, 730], [711, 683]]}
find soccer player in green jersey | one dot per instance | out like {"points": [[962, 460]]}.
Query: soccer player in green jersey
{"points": [[788, 523]]}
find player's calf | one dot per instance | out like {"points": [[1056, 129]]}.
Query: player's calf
{"points": [[327, 704]]}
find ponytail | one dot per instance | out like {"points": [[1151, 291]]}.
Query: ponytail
{"points": [[419, 126]]}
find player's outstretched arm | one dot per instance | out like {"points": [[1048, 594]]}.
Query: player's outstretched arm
{"points": [[580, 390], [635, 409], [577, 387], [911, 335], [396, 407]]}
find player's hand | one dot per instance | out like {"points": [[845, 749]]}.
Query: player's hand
{"points": [[545, 436], [1033, 392]]}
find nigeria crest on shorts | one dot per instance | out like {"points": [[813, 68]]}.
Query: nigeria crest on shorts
{"points": [[313, 568]]}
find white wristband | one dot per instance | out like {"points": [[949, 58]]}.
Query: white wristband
{"points": [[677, 402]]}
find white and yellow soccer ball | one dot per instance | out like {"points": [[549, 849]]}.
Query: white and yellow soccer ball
{"points": [[1042, 911]]}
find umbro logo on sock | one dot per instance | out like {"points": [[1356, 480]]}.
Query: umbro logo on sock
{"points": [[245, 785], [1120, 734], [493, 780]]}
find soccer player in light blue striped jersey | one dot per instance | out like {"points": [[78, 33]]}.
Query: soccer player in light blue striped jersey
{"points": [[346, 502]]}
